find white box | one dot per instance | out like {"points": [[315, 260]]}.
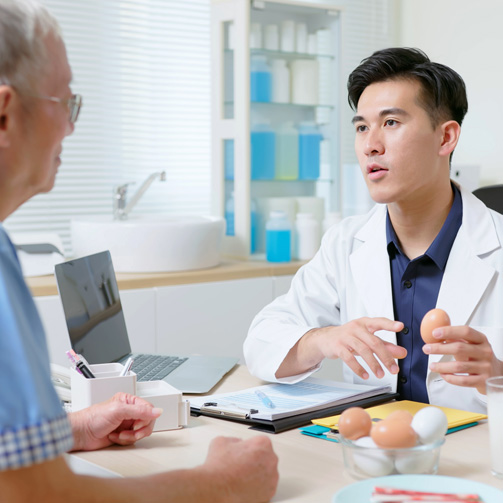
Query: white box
{"points": [[107, 382], [176, 411]]}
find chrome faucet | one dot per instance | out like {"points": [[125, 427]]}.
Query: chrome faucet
{"points": [[122, 207]]}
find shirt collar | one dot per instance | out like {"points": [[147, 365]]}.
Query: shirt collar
{"points": [[441, 247]]}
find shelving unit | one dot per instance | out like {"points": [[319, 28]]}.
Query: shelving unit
{"points": [[233, 114]]}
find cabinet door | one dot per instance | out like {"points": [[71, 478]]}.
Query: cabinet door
{"points": [[209, 318]]}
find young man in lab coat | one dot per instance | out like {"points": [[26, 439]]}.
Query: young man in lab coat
{"points": [[428, 243], [37, 111]]}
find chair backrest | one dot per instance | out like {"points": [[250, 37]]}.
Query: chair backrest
{"points": [[491, 196]]}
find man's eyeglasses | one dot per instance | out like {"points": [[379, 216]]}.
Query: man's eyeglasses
{"points": [[73, 103]]}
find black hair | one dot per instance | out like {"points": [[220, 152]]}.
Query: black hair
{"points": [[443, 91]]}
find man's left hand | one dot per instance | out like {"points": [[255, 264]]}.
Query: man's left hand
{"points": [[474, 359], [122, 420]]}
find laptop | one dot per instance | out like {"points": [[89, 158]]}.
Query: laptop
{"points": [[95, 320]]}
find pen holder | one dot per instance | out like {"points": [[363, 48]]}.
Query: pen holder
{"points": [[106, 383]]}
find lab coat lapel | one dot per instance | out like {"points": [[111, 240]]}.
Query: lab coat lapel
{"points": [[467, 276], [370, 266]]}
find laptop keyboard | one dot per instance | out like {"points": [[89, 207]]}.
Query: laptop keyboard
{"points": [[155, 367]]}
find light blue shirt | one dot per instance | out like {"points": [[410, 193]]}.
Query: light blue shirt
{"points": [[33, 425]]}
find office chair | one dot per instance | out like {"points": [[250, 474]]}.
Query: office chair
{"points": [[491, 196]]}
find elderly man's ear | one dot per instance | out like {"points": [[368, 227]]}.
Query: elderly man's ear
{"points": [[5, 102]]}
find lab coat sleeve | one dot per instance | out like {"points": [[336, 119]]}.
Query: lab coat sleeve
{"points": [[311, 302]]}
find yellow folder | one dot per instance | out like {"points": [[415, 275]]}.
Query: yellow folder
{"points": [[455, 417]]}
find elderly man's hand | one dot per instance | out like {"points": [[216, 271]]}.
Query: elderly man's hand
{"points": [[122, 420]]}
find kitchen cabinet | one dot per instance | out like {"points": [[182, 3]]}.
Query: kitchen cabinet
{"points": [[209, 318], [257, 46]]}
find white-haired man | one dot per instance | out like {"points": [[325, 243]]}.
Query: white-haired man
{"points": [[37, 111]]}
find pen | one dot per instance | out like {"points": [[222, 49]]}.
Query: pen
{"points": [[127, 367], [264, 399], [85, 370], [72, 357]]}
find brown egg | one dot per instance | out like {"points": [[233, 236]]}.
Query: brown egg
{"points": [[400, 415], [355, 423], [433, 319], [393, 434]]}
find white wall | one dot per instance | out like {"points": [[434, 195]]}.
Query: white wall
{"points": [[468, 37]]}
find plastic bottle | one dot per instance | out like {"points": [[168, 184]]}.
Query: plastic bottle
{"points": [[263, 155], [229, 216], [280, 82], [287, 152], [287, 40], [260, 79], [305, 81], [271, 38], [253, 226], [307, 236], [256, 36], [278, 237], [309, 151], [301, 38], [229, 159]]}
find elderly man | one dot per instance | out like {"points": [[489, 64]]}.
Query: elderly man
{"points": [[37, 111]]}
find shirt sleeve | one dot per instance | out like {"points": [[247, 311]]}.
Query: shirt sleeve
{"points": [[33, 425]]}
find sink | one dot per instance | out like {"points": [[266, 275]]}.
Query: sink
{"points": [[151, 243]]}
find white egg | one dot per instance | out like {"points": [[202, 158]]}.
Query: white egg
{"points": [[417, 462], [430, 424], [372, 462]]}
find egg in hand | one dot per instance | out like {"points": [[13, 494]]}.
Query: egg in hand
{"points": [[433, 319]]}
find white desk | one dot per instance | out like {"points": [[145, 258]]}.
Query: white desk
{"points": [[311, 470]]}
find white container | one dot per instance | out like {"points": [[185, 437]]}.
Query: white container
{"points": [[271, 37], [287, 41], [175, 410], [301, 38], [312, 43], [256, 36], [304, 77], [495, 412], [311, 204], [107, 382], [307, 236], [280, 81]]}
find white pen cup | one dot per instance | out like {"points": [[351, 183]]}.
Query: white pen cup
{"points": [[494, 387]]}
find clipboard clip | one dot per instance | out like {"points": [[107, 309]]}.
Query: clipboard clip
{"points": [[213, 408]]}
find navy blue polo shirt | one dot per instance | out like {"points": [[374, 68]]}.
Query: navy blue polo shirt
{"points": [[415, 285]]}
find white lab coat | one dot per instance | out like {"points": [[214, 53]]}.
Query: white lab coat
{"points": [[350, 278]]}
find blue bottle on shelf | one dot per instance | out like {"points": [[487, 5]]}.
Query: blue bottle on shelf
{"points": [[278, 237], [309, 151], [263, 152], [260, 79], [229, 216], [229, 159]]}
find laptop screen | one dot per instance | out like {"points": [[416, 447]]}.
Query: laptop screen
{"points": [[92, 306]]}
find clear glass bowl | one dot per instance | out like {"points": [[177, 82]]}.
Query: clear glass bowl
{"points": [[362, 462]]}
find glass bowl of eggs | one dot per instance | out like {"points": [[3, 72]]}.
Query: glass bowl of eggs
{"points": [[398, 444]]}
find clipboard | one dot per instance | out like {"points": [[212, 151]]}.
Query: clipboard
{"points": [[290, 422]]}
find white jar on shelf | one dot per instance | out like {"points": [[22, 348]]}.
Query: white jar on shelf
{"points": [[287, 40], [280, 81], [301, 38], [304, 78], [307, 236], [271, 37]]}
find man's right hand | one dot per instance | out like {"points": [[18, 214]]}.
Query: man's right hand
{"points": [[246, 469], [355, 338]]}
